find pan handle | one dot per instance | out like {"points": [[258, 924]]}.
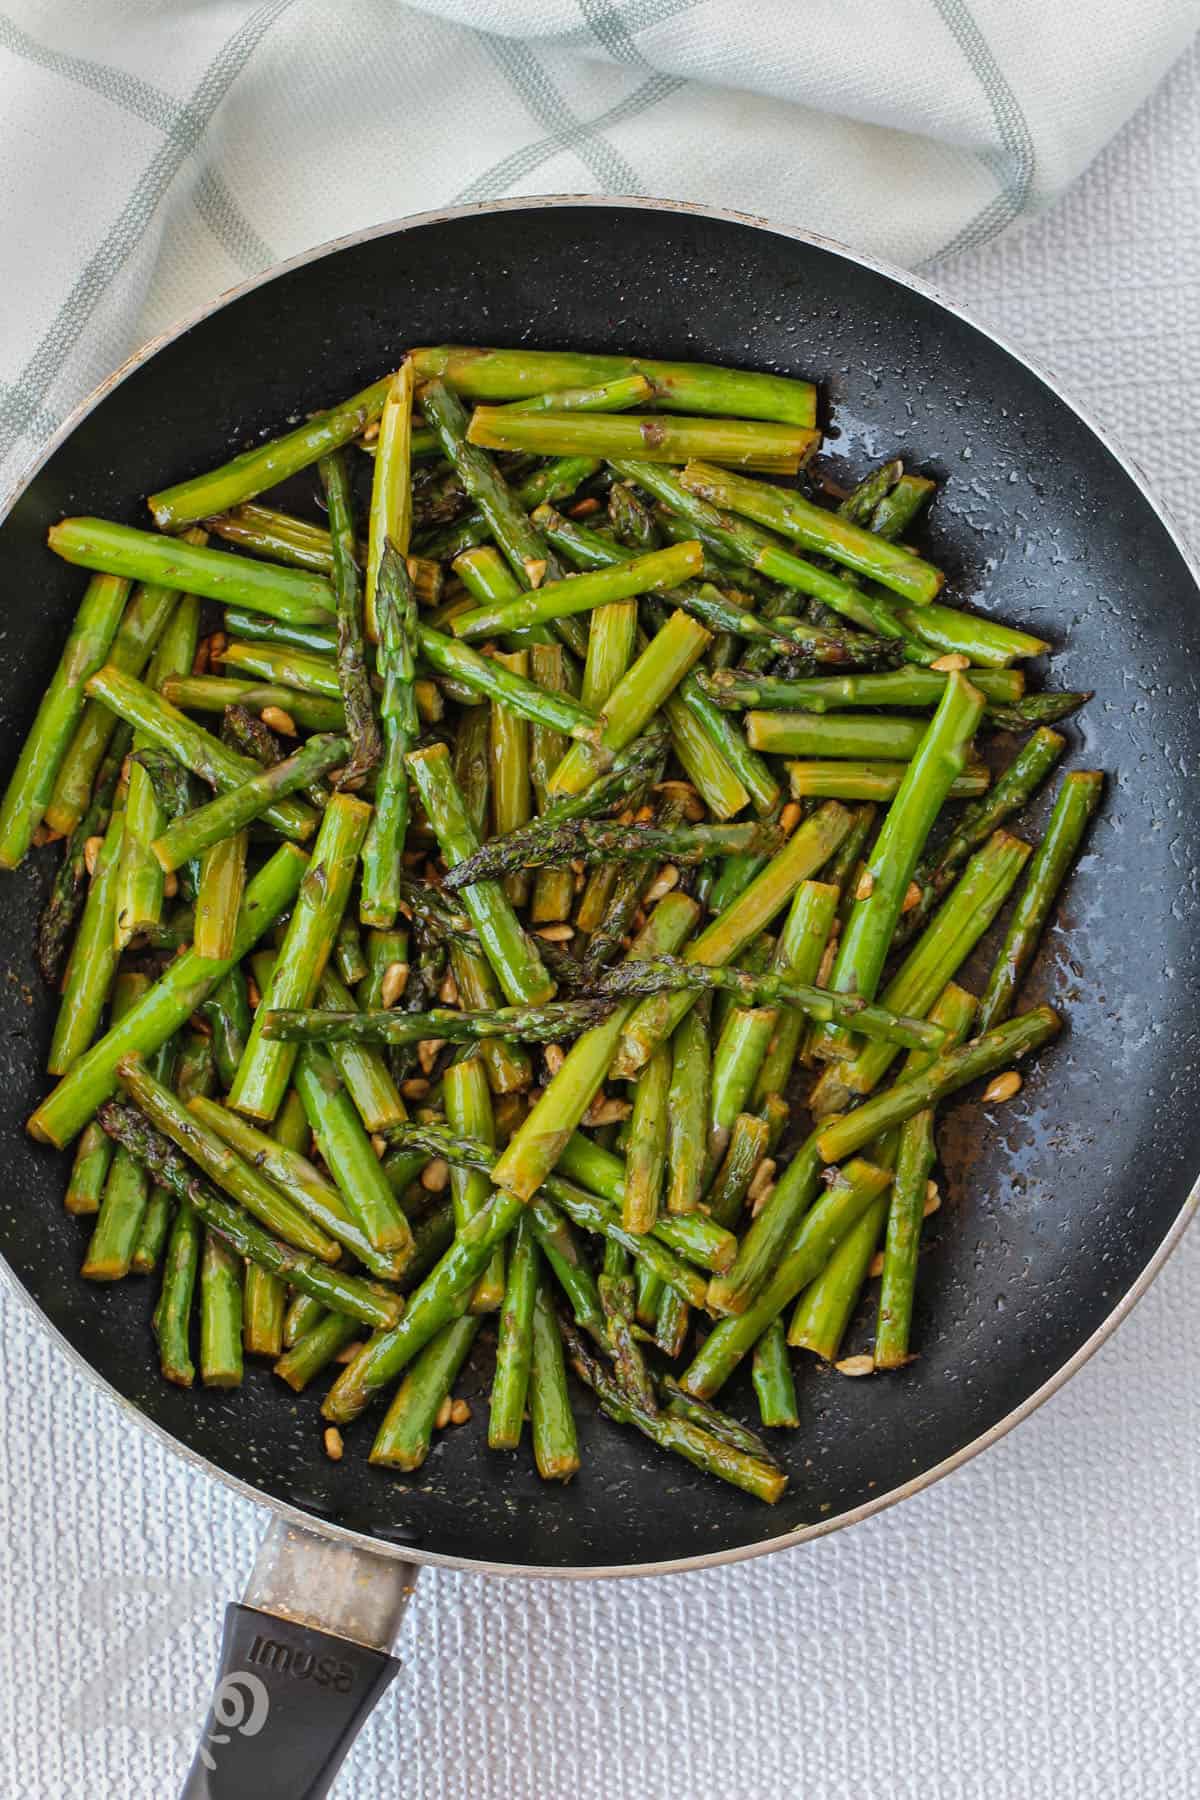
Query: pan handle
{"points": [[304, 1658]]}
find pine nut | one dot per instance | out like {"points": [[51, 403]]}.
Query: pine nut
{"points": [[91, 851], [435, 1176], [1003, 1087], [790, 817], [415, 1088], [912, 897], [876, 1268], [443, 1414], [555, 1058], [428, 1051], [953, 659], [348, 1352], [378, 1144], [170, 885], [856, 1365], [395, 980], [460, 1412], [866, 886], [278, 720], [448, 992], [556, 934], [334, 1446], [933, 1198], [666, 879]]}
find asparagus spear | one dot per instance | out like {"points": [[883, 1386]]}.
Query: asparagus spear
{"points": [[339, 1292], [69, 889], [141, 625], [906, 686], [748, 1140], [842, 1136], [166, 1006], [485, 374], [1077, 800], [366, 746], [877, 781], [537, 1144], [810, 846], [645, 1166], [510, 951], [485, 676], [849, 735], [551, 1421], [774, 1386], [314, 1349], [266, 1067], [746, 443], [32, 781], [384, 847], [227, 1013], [943, 947], [589, 841], [220, 1315], [290, 1171], [825, 1225], [514, 1349], [687, 1111], [404, 1438], [172, 1316], [390, 517], [321, 640], [1023, 776], [674, 975], [512, 797], [213, 574], [264, 1303], [283, 666], [553, 481], [364, 1071], [469, 1111], [868, 932], [267, 464], [214, 823], [222, 881], [582, 593], [349, 1156], [817, 529], [93, 956], [554, 889], [544, 1024], [217, 693], [753, 1475], [915, 1158], [619, 395], [191, 745], [824, 1310]]}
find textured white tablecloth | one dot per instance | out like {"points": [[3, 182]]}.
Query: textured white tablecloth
{"points": [[1030, 1627]]}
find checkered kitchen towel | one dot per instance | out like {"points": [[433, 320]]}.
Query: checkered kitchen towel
{"points": [[153, 152]]}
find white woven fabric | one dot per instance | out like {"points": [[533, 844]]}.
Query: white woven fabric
{"points": [[167, 148], [1028, 1628]]}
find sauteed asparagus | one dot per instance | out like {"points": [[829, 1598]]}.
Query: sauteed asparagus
{"points": [[517, 904]]}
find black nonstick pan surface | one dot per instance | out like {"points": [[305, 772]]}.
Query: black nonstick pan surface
{"points": [[1057, 1209]]}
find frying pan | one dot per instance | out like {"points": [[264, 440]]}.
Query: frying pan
{"points": [[1058, 1213]]}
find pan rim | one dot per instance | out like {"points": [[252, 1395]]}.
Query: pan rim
{"points": [[1168, 1244]]}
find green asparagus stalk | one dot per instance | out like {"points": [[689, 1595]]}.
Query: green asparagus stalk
{"points": [[264, 1302], [190, 744], [93, 956], [507, 1064], [404, 1438], [396, 616], [798, 955], [745, 443], [774, 1386], [390, 517], [172, 1316], [220, 1315], [687, 1111], [216, 693], [645, 1166], [141, 626], [582, 593], [554, 888], [314, 1349], [304, 1187], [468, 1105], [366, 746], [485, 676], [538, 1143], [227, 1013], [282, 666], [842, 1136], [853, 736], [916, 1153], [512, 796], [634, 701], [349, 1156], [485, 374], [44, 751], [473, 766], [94, 1152], [364, 1071], [552, 481], [874, 781], [125, 1202], [222, 882], [510, 951], [943, 947], [824, 1310], [230, 812], [265, 1070], [264, 466], [592, 841], [670, 1431], [430, 1306], [69, 889], [172, 562], [320, 640], [514, 1349], [338, 1292], [551, 1421], [184, 985], [810, 846], [239, 1178], [824, 1227], [986, 642], [817, 529], [1077, 800], [868, 932], [907, 686]]}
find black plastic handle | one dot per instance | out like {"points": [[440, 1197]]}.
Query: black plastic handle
{"points": [[288, 1704]]}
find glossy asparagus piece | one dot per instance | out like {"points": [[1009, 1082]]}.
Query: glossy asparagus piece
{"points": [[744, 443], [396, 622], [687, 1111], [514, 1348], [362, 727], [875, 781], [774, 1385]]}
